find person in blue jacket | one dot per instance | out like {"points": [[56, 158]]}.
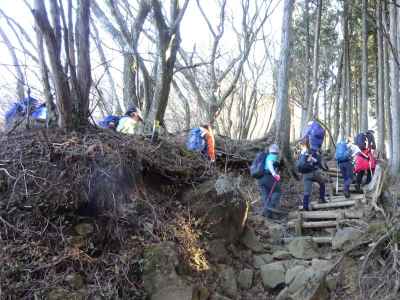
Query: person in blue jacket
{"points": [[270, 184], [110, 122], [309, 164]]}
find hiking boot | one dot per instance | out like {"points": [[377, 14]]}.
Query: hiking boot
{"points": [[322, 200], [306, 203], [358, 188], [347, 195]]}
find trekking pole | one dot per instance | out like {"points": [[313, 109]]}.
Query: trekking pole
{"points": [[337, 178], [272, 190]]}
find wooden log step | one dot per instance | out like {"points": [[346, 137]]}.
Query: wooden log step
{"points": [[327, 214], [341, 198], [318, 239], [333, 204], [318, 224]]}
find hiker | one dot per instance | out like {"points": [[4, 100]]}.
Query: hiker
{"points": [[269, 183], [309, 164], [129, 123], [365, 161], [201, 139], [346, 151], [18, 110], [110, 122], [315, 135]]}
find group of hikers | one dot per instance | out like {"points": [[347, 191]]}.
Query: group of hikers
{"points": [[353, 158]]}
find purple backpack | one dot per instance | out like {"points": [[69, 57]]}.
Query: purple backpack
{"points": [[315, 134]]}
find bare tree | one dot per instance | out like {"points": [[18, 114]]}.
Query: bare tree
{"points": [[380, 79], [73, 112]]}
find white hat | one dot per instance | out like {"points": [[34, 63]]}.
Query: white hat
{"points": [[274, 148]]}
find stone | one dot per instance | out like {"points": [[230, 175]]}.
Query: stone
{"points": [[221, 206], [309, 285], [84, 229], [321, 265], [160, 279], [292, 273], [75, 280], [217, 296], [281, 255], [245, 279], [276, 233], [331, 282], [345, 237], [201, 293], [218, 251], [273, 275], [263, 259], [228, 282], [303, 248], [250, 240]]}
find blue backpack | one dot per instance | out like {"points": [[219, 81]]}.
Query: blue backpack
{"points": [[105, 123], [257, 168], [361, 140], [304, 166], [195, 141], [40, 113], [342, 153], [315, 134]]}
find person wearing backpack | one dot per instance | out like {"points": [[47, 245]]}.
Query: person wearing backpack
{"points": [[201, 139], [345, 151], [129, 123], [309, 164], [315, 135], [269, 182], [209, 142]]}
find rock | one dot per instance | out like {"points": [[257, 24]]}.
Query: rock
{"points": [[345, 237], [276, 233], [245, 279], [250, 240], [84, 229], [303, 248], [75, 280], [160, 279], [218, 252], [228, 282], [200, 293], [331, 282], [64, 294], [292, 273], [321, 265], [308, 284], [217, 296], [263, 259], [221, 206], [281, 255], [273, 274]]}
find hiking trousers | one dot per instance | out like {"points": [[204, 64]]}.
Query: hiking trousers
{"points": [[360, 175], [346, 168], [315, 176], [269, 200]]}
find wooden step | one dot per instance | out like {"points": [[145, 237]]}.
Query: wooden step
{"points": [[317, 239], [318, 224], [327, 214], [333, 204], [340, 198]]}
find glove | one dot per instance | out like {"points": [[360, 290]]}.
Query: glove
{"points": [[277, 178]]}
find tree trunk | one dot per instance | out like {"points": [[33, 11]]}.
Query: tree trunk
{"points": [[51, 116], [336, 117], [386, 75], [307, 75], [282, 126], [129, 75], [313, 97], [394, 81], [381, 89], [364, 74], [20, 89]]}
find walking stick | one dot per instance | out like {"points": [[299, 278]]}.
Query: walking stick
{"points": [[337, 178]]}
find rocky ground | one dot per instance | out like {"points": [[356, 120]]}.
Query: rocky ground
{"points": [[104, 216]]}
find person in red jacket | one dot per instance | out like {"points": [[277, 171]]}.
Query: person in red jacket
{"points": [[208, 136]]}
